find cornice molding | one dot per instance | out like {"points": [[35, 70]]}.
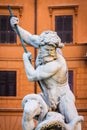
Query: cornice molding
{"points": [[17, 7], [70, 6], [21, 110]]}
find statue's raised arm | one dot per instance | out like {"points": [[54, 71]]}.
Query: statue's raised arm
{"points": [[26, 36]]}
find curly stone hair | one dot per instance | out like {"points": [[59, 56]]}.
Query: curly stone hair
{"points": [[50, 38]]}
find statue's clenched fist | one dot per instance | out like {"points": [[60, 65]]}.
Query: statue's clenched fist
{"points": [[27, 55], [14, 21]]}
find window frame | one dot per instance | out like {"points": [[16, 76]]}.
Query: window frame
{"points": [[17, 84], [72, 88], [6, 83], [62, 10], [8, 31], [64, 26], [17, 11], [74, 80]]}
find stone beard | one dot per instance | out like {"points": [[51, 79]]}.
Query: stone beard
{"points": [[49, 42], [46, 53]]}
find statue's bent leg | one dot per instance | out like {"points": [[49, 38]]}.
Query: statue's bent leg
{"points": [[68, 109], [34, 107], [31, 109]]}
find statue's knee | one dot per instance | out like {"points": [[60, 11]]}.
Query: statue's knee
{"points": [[32, 108], [27, 108]]}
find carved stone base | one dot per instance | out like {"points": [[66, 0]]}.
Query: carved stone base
{"points": [[55, 121], [51, 125]]}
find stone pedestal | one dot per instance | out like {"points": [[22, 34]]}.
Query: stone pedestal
{"points": [[53, 121], [53, 127]]}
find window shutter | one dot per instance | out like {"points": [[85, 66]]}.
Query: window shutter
{"points": [[64, 28], [7, 35], [70, 79], [7, 83]]}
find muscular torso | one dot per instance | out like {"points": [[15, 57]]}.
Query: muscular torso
{"points": [[55, 83], [51, 74]]}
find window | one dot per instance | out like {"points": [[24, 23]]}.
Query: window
{"points": [[64, 28], [70, 79], [7, 35], [7, 83]]}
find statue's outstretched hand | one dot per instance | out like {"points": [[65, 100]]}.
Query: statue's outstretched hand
{"points": [[14, 21], [27, 55]]}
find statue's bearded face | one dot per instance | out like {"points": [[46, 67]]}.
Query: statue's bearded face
{"points": [[49, 41], [47, 50], [46, 54]]}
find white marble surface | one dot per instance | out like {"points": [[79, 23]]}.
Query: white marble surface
{"points": [[52, 73]]}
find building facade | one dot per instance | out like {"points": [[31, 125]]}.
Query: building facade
{"points": [[68, 18]]}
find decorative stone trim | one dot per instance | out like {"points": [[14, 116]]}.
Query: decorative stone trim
{"points": [[17, 7], [53, 7]]}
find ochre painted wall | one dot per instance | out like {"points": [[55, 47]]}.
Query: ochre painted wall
{"points": [[11, 55]]}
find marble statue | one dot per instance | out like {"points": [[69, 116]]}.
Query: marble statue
{"points": [[54, 108]]}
